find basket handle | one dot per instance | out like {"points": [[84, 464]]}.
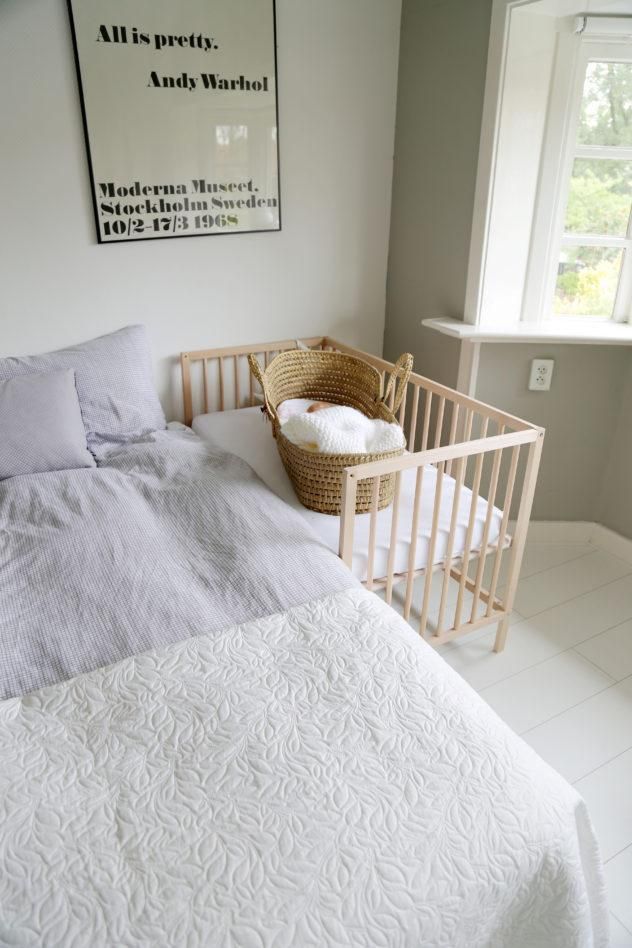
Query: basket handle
{"points": [[255, 368], [401, 370]]}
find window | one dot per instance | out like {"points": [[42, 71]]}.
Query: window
{"points": [[551, 239], [593, 269]]}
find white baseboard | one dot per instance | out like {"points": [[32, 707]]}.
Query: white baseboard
{"points": [[580, 531]]}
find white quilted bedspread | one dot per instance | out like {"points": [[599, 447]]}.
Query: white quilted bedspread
{"points": [[318, 777]]}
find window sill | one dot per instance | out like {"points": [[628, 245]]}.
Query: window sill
{"points": [[592, 333]]}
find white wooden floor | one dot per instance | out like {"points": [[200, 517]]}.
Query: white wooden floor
{"points": [[564, 683]]}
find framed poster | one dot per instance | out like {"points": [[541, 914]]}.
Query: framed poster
{"points": [[179, 102]]}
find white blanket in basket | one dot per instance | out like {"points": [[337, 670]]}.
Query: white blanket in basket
{"points": [[342, 430]]}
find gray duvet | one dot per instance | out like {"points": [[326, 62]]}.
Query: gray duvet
{"points": [[165, 540]]}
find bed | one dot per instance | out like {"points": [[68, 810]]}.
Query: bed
{"points": [[202, 742]]}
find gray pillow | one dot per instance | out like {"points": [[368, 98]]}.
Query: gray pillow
{"points": [[114, 382], [40, 425]]}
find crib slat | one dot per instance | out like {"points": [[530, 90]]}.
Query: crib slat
{"points": [[410, 579], [469, 420], [467, 429], [237, 395], [375, 496], [426, 428], [347, 519], [491, 497], [439, 427], [393, 543], [412, 431], [527, 491], [447, 566], [221, 383], [511, 480], [452, 435], [251, 388], [478, 469], [431, 549], [205, 383]]}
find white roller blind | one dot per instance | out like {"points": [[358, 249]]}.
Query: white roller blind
{"points": [[604, 25]]}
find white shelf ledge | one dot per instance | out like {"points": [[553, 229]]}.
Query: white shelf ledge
{"points": [[578, 333]]}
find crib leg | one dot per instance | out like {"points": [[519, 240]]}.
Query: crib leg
{"points": [[501, 634]]}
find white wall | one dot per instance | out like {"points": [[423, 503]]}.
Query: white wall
{"points": [[325, 272]]}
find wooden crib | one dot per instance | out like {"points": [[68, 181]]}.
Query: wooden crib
{"points": [[494, 454]]}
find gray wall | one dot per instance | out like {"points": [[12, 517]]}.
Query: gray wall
{"points": [[616, 506], [443, 59], [580, 414]]}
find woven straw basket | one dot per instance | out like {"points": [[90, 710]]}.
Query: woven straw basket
{"points": [[343, 380]]}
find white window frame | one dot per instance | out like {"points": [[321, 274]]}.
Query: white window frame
{"points": [[527, 321], [561, 139], [526, 325]]}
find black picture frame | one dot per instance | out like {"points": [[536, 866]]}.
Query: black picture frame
{"points": [[91, 166]]}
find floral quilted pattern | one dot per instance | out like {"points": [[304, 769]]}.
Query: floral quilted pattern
{"points": [[318, 777]]}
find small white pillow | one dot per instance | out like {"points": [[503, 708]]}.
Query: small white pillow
{"points": [[41, 428]]}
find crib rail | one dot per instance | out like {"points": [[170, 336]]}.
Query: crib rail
{"points": [[224, 380], [476, 463], [429, 408], [490, 452]]}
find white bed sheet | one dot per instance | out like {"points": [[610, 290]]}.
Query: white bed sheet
{"points": [[246, 433], [316, 777]]}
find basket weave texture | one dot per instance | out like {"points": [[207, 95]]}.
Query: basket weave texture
{"points": [[343, 380]]}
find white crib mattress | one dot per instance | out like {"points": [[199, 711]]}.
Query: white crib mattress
{"points": [[246, 433]]}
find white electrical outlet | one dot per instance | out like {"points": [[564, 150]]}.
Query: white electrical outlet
{"points": [[541, 375]]}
